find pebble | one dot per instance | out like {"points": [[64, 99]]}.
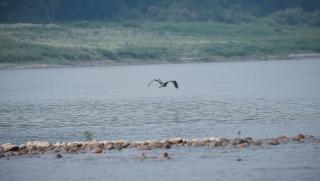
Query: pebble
{"points": [[143, 156], [58, 156], [166, 155], [166, 146]]}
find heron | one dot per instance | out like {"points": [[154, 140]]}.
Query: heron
{"points": [[164, 84]]}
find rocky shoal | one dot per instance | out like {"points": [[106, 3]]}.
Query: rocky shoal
{"points": [[97, 147]]}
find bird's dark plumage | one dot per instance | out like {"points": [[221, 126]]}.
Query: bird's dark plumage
{"points": [[164, 84]]}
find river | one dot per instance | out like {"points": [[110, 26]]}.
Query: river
{"points": [[262, 99]]}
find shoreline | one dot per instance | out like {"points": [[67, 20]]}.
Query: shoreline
{"points": [[127, 62]]}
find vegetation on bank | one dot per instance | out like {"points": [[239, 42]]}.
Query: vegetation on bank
{"points": [[144, 31], [78, 42]]}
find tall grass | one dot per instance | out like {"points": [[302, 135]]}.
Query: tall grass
{"points": [[71, 43]]}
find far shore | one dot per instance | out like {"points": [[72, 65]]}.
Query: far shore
{"points": [[126, 62]]}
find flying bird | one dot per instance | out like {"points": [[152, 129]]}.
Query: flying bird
{"points": [[164, 84]]}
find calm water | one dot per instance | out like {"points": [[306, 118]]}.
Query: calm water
{"points": [[260, 99]]}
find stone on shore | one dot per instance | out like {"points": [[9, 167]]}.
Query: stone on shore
{"points": [[166, 155], [58, 156], [197, 144], [274, 142], [155, 144], [109, 146], [298, 137], [96, 150], [175, 140], [38, 144], [9, 147]]}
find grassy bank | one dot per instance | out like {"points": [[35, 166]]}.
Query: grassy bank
{"points": [[156, 42]]}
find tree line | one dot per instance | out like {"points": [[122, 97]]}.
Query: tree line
{"points": [[43, 11]]}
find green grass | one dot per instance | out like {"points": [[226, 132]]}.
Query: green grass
{"points": [[73, 43]]}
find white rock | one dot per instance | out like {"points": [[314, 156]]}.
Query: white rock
{"points": [[57, 144], [8, 147], [41, 144], [176, 140], [22, 146], [29, 143], [120, 141], [214, 139], [164, 141], [97, 150]]}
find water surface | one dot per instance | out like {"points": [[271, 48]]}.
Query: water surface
{"points": [[260, 99]]}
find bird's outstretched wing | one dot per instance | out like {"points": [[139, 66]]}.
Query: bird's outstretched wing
{"points": [[151, 82], [157, 80], [175, 83]]}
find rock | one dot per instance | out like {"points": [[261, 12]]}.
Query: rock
{"points": [[197, 144], [239, 141], [22, 146], [119, 146], [298, 137], [31, 148], [164, 141], [143, 156], [274, 142], [282, 139], [57, 144], [133, 145], [218, 143], [225, 143], [41, 144], [155, 144], [109, 146], [96, 150], [74, 145], [214, 139], [23, 151], [57, 149], [166, 155], [176, 140], [301, 136], [94, 145], [9, 147], [15, 153], [58, 156], [243, 145], [248, 140], [166, 146]]}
